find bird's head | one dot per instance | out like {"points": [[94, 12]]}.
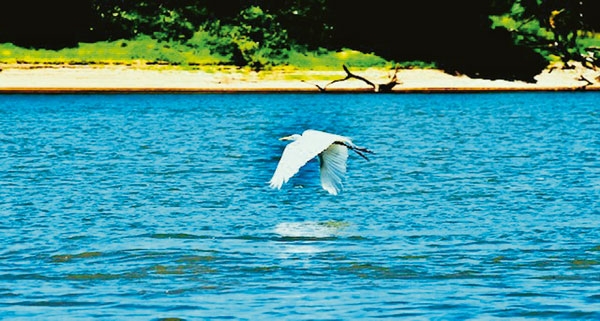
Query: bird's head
{"points": [[291, 137]]}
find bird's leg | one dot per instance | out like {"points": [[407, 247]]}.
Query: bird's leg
{"points": [[360, 153], [362, 149], [359, 150]]}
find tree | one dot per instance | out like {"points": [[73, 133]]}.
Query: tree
{"points": [[255, 39], [455, 34], [163, 20]]}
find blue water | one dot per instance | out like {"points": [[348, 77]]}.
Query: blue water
{"points": [[150, 207]]}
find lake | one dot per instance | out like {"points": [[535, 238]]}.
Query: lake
{"points": [[157, 207]]}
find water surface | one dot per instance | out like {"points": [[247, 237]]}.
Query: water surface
{"points": [[147, 207]]}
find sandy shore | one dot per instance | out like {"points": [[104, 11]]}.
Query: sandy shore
{"points": [[57, 79]]}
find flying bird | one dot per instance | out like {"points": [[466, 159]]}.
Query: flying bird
{"points": [[332, 151]]}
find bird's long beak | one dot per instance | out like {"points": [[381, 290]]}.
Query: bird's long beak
{"points": [[286, 138]]}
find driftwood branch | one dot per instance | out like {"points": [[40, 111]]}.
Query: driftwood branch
{"points": [[387, 87], [588, 82], [582, 78]]}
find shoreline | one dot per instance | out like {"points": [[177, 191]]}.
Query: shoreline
{"points": [[125, 90], [52, 79]]}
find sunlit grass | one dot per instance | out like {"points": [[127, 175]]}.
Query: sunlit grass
{"points": [[328, 60], [145, 51]]}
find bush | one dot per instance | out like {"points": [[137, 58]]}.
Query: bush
{"points": [[257, 40]]}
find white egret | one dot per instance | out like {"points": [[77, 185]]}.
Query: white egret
{"points": [[332, 151]]}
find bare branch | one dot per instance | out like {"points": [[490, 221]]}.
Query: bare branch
{"points": [[376, 87], [351, 75]]}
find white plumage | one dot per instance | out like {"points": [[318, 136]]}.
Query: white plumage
{"points": [[332, 151]]}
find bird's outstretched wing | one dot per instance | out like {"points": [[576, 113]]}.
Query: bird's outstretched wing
{"points": [[298, 153], [333, 167]]}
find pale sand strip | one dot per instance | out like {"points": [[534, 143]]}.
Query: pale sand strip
{"points": [[23, 78]]}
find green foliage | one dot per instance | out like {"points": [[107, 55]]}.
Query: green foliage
{"points": [[554, 29], [526, 32], [163, 20]]}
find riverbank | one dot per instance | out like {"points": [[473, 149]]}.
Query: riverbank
{"points": [[19, 78]]}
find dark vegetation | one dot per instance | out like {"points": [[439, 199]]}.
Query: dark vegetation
{"points": [[508, 39]]}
